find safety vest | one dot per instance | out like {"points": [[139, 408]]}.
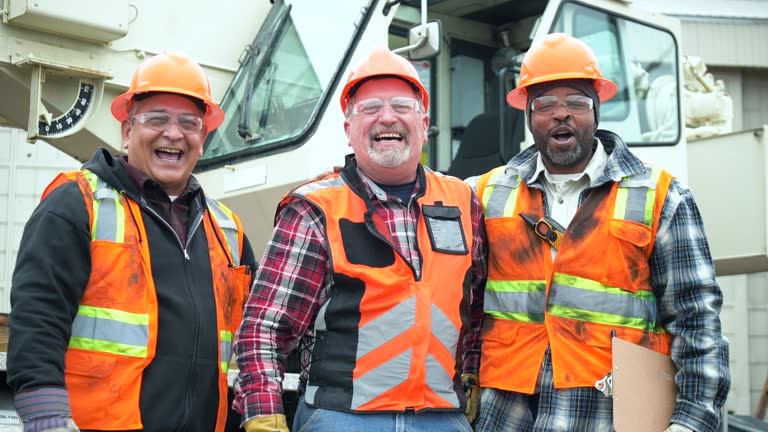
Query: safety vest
{"points": [[386, 340], [599, 281], [115, 330]]}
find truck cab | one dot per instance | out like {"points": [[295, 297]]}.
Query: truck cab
{"points": [[284, 124]]}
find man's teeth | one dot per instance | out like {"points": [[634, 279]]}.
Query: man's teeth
{"points": [[387, 136]]}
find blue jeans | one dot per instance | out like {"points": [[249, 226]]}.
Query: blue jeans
{"points": [[308, 419]]}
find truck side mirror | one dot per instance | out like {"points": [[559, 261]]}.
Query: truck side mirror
{"points": [[424, 40]]}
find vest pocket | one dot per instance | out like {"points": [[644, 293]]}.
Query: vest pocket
{"points": [[628, 254], [89, 364], [116, 273]]}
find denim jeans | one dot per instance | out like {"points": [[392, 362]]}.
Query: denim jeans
{"points": [[308, 419]]}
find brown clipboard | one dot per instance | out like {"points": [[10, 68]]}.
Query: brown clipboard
{"points": [[644, 389]]}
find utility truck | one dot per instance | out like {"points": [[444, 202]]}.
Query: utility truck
{"points": [[278, 68]]}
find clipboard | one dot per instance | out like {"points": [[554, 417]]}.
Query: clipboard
{"points": [[644, 389]]}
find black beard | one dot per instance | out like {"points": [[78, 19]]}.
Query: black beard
{"points": [[566, 159]]}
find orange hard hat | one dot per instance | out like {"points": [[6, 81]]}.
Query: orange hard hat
{"points": [[170, 72], [383, 62], [558, 56]]}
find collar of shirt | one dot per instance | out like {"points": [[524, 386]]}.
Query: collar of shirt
{"points": [[592, 171], [375, 191]]}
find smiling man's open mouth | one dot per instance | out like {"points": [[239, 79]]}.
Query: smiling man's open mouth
{"points": [[169, 154]]}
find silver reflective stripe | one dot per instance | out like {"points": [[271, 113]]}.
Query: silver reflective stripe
{"points": [[386, 327], [381, 379], [228, 227], [625, 305], [636, 197], [635, 206], [440, 382], [444, 331], [226, 351], [108, 220], [516, 302], [315, 186], [503, 194], [110, 331]]}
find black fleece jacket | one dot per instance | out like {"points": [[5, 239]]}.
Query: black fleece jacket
{"points": [[179, 388]]}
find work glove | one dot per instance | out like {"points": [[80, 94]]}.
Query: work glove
{"points": [[471, 383], [268, 423], [674, 427]]}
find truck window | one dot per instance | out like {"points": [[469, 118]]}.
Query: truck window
{"points": [[283, 78], [642, 61]]}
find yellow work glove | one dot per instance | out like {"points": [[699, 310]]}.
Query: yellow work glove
{"points": [[269, 423], [471, 383]]}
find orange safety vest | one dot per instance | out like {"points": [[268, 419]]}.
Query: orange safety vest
{"points": [[599, 282], [115, 330], [386, 340]]}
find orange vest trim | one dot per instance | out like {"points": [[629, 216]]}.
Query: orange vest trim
{"points": [[386, 339], [120, 298], [570, 305]]}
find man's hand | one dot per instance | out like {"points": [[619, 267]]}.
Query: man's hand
{"points": [[471, 383], [269, 423], [674, 427]]}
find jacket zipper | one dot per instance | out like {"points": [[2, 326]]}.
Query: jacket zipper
{"points": [[190, 234]]}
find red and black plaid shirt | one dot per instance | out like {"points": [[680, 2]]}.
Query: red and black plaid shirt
{"points": [[293, 281]]}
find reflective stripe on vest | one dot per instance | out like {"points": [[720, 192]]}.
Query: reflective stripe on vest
{"points": [[226, 349], [522, 301], [586, 300], [636, 197], [500, 203], [573, 297], [104, 329], [226, 222], [108, 211], [374, 334], [110, 331]]}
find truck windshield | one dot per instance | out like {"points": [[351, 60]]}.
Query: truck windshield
{"points": [[284, 77]]}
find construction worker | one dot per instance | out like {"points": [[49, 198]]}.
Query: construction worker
{"points": [[586, 240], [130, 281], [375, 273]]}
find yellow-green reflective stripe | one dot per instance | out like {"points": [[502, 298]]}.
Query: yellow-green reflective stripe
{"points": [[226, 222], [521, 317], [522, 300], [113, 314], [581, 298], [636, 197], [502, 195], [109, 347], [592, 285], [605, 318], [108, 211], [226, 349]]}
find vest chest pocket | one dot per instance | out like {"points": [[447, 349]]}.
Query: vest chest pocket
{"points": [[116, 273], [628, 249], [446, 233]]}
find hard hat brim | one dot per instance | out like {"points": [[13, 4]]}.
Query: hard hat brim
{"points": [[213, 118]]}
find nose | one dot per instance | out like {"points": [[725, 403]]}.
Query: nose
{"points": [[560, 111], [173, 131]]}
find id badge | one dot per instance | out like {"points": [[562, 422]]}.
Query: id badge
{"points": [[445, 230]]}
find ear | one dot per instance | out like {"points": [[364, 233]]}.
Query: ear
{"points": [[203, 136], [125, 132], [426, 127], [346, 131]]}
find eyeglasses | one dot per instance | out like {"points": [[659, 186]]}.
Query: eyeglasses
{"points": [[574, 104], [161, 121], [373, 106]]}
